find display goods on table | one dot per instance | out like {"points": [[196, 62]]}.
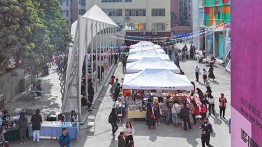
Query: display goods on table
{"points": [[53, 129]]}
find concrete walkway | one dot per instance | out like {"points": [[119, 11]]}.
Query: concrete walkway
{"points": [[97, 132]]}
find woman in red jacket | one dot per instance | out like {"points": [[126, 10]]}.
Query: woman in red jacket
{"points": [[196, 113]]}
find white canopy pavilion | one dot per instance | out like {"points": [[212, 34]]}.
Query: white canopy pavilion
{"points": [[88, 33], [151, 63], [157, 79], [150, 53]]}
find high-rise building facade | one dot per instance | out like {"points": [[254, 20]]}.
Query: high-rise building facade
{"points": [[70, 9], [138, 17]]}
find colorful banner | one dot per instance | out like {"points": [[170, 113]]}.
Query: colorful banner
{"points": [[246, 73]]}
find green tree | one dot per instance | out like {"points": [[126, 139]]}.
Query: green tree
{"points": [[60, 36], [9, 24]]}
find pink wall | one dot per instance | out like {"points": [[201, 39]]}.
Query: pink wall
{"points": [[246, 71]]}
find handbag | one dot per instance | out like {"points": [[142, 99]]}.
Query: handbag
{"points": [[152, 115]]}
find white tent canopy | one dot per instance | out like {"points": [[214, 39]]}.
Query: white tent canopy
{"points": [[155, 47], [145, 45], [84, 32], [158, 79], [151, 63], [150, 53]]}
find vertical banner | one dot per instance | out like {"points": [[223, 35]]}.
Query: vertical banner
{"points": [[246, 73]]}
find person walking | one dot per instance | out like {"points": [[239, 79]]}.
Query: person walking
{"points": [[205, 133], [91, 94], [112, 120], [168, 111], [36, 120], [200, 95], [211, 72], [211, 106], [117, 91], [175, 112], [222, 106], [205, 76], [197, 72], [129, 133], [150, 117], [124, 64], [64, 138], [203, 112], [22, 124], [121, 140], [157, 112], [185, 111]]}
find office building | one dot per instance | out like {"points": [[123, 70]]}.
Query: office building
{"points": [[138, 17], [70, 9]]}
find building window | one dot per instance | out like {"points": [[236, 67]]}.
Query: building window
{"points": [[158, 12], [113, 12], [67, 12], [81, 11], [135, 26], [67, 2], [135, 12], [111, 1], [128, 0], [82, 2], [158, 26]]}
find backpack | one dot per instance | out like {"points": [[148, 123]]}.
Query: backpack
{"points": [[110, 118]]}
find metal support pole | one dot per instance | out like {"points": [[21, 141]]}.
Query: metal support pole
{"points": [[96, 60], [100, 54], [92, 51], [86, 59]]}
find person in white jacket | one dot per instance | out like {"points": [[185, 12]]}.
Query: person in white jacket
{"points": [[129, 133]]}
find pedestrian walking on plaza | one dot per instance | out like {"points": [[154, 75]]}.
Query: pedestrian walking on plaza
{"points": [[116, 58], [36, 120], [197, 72], [222, 106], [211, 105], [64, 139], [208, 91], [175, 112], [117, 91], [129, 133], [150, 117], [112, 120], [157, 112], [205, 76], [124, 64], [205, 133], [22, 124], [168, 111], [203, 112], [196, 112], [200, 94], [211, 72], [185, 112], [121, 140], [91, 94]]}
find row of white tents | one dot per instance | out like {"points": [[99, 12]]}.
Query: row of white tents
{"points": [[148, 67]]}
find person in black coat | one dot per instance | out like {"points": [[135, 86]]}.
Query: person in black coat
{"points": [[36, 120], [117, 91], [91, 94], [150, 118], [185, 112], [211, 72], [121, 140], [112, 120], [205, 134]]}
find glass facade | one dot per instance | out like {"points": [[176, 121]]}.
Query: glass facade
{"points": [[113, 12], [158, 26], [158, 12]]}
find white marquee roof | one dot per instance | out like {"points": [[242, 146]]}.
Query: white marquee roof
{"points": [[149, 53], [151, 63], [158, 79]]}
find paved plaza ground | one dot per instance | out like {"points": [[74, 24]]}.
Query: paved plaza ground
{"points": [[96, 131]]}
